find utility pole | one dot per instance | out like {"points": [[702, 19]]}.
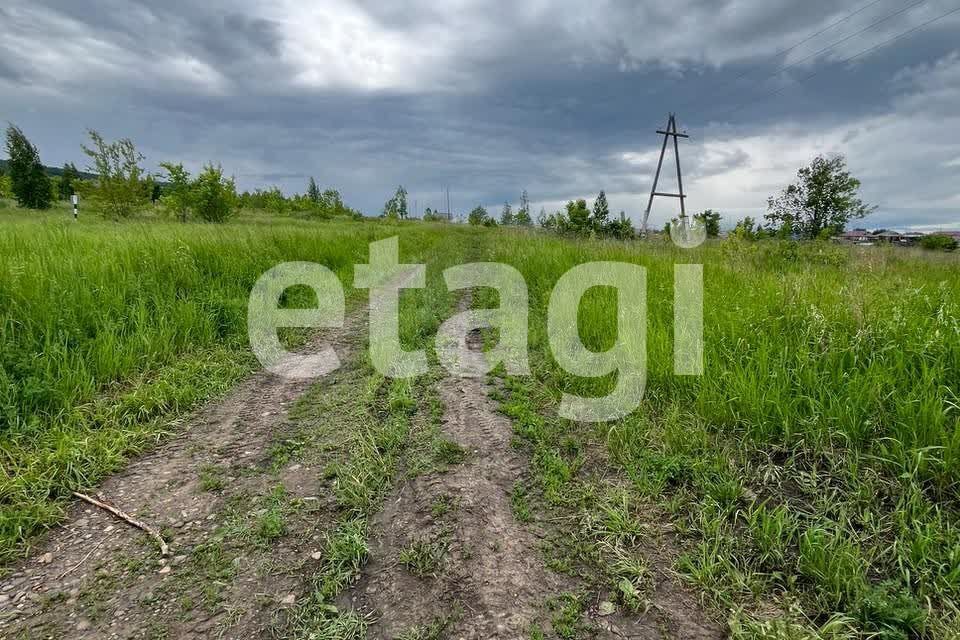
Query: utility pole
{"points": [[667, 133]]}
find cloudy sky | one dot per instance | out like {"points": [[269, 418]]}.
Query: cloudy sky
{"points": [[559, 98]]}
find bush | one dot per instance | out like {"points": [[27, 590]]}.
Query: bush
{"points": [[120, 187], [214, 197], [938, 242]]}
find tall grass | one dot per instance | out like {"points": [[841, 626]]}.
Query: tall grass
{"points": [[107, 331], [816, 460]]}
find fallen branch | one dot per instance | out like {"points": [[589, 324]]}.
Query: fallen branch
{"points": [[164, 550]]}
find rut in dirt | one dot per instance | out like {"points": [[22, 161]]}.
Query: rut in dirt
{"points": [[96, 577], [448, 556]]}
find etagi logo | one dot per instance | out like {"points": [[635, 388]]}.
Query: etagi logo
{"points": [[384, 276]]}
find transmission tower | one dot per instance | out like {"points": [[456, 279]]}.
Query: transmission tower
{"points": [[670, 131]]}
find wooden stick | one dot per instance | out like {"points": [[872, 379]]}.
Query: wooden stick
{"points": [[164, 550]]}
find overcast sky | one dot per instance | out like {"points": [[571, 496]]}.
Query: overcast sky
{"points": [[559, 98]]}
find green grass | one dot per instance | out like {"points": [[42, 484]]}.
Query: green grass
{"points": [[423, 558], [811, 474], [110, 331], [812, 469]]}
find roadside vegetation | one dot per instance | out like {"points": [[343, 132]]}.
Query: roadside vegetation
{"points": [[810, 474]]}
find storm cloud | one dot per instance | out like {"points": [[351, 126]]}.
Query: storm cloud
{"points": [[558, 98]]}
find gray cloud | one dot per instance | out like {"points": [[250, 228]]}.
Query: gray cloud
{"points": [[558, 98]]}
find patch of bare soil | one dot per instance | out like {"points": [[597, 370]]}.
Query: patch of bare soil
{"points": [[448, 556], [446, 549], [243, 519]]}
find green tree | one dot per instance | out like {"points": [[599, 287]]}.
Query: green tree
{"points": [[70, 174], [332, 201], [938, 242], [29, 181], [274, 200], [214, 197], [178, 199], [825, 196], [313, 191], [711, 221], [506, 216], [578, 216], [120, 187], [601, 212], [6, 186], [745, 229], [522, 217], [400, 198], [621, 229], [478, 216]]}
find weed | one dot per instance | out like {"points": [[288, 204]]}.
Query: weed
{"points": [[423, 558], [211, 478]]}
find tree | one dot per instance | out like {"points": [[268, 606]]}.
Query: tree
{"points": [[28, 179], [938, 242], [578, 216], [478, 216], [400, 198], [522, 216], [214, 197], [621, 229], [710, 220], [70, 174], [120, 186], [824, 197], [178, 198], [745, 229], [313, 191], [506, 216], [601, 212], [332, 202]]}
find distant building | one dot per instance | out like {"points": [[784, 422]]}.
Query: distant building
{"points": [[889, 236], [856, 236]]}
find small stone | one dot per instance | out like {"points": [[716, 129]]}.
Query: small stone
{"points": [[607, 608], [316, 555], [178, 559], [109, 529], [4, 599], [289, 600], [46, 558], [83, 625], [165, 569]]}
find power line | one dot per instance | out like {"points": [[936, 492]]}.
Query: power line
{"points": [[815, 54], [718, 85], [844, 61]]}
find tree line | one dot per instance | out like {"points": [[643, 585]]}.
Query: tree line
{"points": [[119, 187]]}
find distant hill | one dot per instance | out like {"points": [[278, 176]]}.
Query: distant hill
{"points": [[53, 171]]}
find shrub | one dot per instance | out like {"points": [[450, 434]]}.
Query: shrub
{"points": [[214, 197], [938, 242], [120, 186]]}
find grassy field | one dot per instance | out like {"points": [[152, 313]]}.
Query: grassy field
{"points": [[109, 331], [809, 477], [811, 471]]}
